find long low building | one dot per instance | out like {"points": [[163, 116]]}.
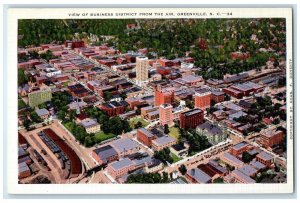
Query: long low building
{"points": [[125, 146], [119, 168], [231, 160], [198, 176], [105, 154], [163, 142], [241, 177]]}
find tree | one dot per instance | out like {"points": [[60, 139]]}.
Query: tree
{"points": [[35, 117], [166, 129], [123, 95], [107, 96], [153, 178], [61, 115], [138, 125], [72, 114], [164, 155], [138, 111], [190, 104], [48, 56], [246, 157], [26, 124], [182, 169], [227, 97], [22, 77], [219, 180], [88, 141]]}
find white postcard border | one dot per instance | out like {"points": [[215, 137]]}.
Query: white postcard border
{"points": [[63, 13]]}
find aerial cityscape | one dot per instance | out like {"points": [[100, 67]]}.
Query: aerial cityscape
{"points": [[153, 101]]}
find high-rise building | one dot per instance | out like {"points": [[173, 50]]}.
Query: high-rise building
{"points": [[191, 118], [39, 97], [164, 95], [142, 65], [202, 99], [165, 114]]}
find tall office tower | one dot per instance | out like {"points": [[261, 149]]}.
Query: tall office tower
{"points": [[202, 99], [165, 114], [142, 65], [164, 95]]}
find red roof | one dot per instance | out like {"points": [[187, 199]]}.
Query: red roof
{"points": [[21, 138]]}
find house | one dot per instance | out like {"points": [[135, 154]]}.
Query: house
{"points": [[43, 113], [105, 154], [180, 150], [90, 125], [80, 118], [77, 105]]}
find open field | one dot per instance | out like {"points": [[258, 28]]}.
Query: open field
{"points": [[174, 132], [137, 119], [175, 158], [101, 136]]}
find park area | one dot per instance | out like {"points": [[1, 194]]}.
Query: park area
{"points": [[101, 136], [174, 132], [135, 120], [98, 137], [175, 158]]}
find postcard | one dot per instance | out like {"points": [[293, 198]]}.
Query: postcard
{"points": [[150, 101]]}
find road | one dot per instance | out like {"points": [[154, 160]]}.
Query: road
{"points": [[201, 157]]}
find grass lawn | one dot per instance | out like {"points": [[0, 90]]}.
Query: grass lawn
{"points": [[101, 136], [65, 84], [68, 125], [175, 158], [174, 132], [134, 120]]}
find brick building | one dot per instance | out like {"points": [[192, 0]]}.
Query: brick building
{"points": [[265, 158], [202, 99], [217, 96], [191, 118], [74, 44], [145, 137], [165, 114], [114, 108], [119, 168], [163, 95], [271, 137], [78, 90], [239, 148], [163, 142], [105, 154]]}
